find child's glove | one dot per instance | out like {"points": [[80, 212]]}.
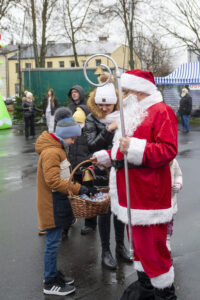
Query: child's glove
{"points": [[87, 190], [176, 187]]}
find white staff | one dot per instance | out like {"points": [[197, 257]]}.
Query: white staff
{"points": [[118, 75]]}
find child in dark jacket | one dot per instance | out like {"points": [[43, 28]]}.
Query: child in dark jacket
{"points": [[54, 210]]}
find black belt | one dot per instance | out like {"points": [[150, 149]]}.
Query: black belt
{"points": [[119, 164]]}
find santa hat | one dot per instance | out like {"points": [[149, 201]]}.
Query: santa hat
{"points": [[106, 94], [138, 80]]}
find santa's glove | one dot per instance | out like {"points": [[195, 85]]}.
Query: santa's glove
{"points": [[176, 187], [87, 190]]}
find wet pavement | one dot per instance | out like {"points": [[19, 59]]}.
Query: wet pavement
{"points": [[21, 249]]}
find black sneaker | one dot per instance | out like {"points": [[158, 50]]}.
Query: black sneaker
{"points": [[56, 286], [62, 277]]}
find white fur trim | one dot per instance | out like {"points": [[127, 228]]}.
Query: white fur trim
{"points": [[103, 158], [138, 216], [135, 83], [138, 266], [136, 151], [164, 280]]}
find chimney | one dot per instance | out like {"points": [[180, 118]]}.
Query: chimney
{"points": [[103, 38], [51, 42]]}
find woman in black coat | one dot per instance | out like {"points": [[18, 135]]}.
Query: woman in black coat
{"points": [[29, 109], [99, 129]]}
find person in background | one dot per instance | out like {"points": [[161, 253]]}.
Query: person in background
{"points": [[185, 108], [53, 207], [99, 129], [177, 183], [50, 104], [29, 109], [76, 95]]}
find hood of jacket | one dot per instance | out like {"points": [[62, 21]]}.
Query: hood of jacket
{"points": [[46, 141], [80, 90]]}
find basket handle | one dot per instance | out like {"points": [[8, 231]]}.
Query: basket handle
{"points": [[74, 171]]}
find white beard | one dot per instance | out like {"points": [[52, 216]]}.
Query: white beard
{"points": [[134, 115]]}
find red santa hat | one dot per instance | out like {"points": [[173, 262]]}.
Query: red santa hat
{"points": [[138, 80]]}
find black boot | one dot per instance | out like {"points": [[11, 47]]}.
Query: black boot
{"points": [[140, 289], [121, 251], [104, 231], [165, 294], [108, 261]]}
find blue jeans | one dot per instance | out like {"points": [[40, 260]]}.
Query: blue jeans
{"points": [[185, 119], [53, 240]]}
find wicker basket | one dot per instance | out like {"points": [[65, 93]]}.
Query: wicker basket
{"points": [[83, 208]]}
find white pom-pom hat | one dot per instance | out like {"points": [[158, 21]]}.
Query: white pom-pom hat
{"points": [[106, 94], [139, 81]]}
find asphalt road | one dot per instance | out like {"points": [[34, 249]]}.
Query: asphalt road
{"points": [[21, 249]]}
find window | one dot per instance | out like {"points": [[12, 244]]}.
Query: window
{"points": [[17, 68], [49, 64], [61, 64], [28, 66], [72, 64], [17, 88], [98, 62]]}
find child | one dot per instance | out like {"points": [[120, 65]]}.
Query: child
{"points": [[177, 181], [54, 210]]}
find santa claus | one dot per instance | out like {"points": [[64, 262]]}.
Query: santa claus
{"points": [[150, 144]]}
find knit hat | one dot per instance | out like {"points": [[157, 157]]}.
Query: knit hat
{"points": [[106, 94], [79, 115], [66, 126], [28, 94], [138, 80]]}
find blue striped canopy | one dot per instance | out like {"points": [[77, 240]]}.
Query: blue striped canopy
{"points": [[188, 73]]}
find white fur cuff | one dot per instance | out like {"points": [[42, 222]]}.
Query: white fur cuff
{"points": [[138, 266], [103, 158], [164, 280], [136, 151]]}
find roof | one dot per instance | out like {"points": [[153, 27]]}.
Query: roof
{"points": [[188, 73], [65, 49], [8, 49]]}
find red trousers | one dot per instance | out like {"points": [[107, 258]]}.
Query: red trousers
{"points": [[149, 244]]}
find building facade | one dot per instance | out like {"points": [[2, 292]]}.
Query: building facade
{"points": [[61, 56]]}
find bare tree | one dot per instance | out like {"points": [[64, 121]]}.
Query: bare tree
{"points": [[40, 13], [77, 20], [181, 19], [130, 14], [154, 55], [5, 6]]}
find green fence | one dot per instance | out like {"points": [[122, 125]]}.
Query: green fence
{"points": [[38, 81]]}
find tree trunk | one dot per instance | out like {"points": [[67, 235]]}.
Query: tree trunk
{"points": [[44, 26], [75, 54], [35, 48]]}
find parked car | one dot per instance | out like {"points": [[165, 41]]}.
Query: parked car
{"points": [[11, 100]]}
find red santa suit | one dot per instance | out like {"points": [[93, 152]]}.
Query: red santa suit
{"points": [[152, 128]]}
